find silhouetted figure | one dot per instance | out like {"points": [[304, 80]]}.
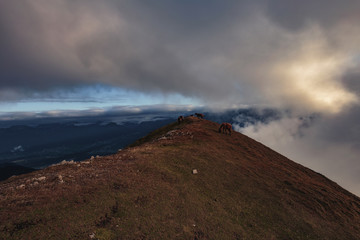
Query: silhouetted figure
{"points": [[199, 115], [226, 128], [180, 119]]}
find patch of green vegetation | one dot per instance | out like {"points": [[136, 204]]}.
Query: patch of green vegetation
{"points": [[105, 234], [160, 132], [155, 134]]}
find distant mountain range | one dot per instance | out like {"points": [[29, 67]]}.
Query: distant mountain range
{"points": [[35, 144], [46, 144]]}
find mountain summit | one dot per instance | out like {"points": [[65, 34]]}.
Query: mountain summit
{"points": [[182, 181]]}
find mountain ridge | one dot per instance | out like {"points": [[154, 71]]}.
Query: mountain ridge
{"points": [[242, 190]]}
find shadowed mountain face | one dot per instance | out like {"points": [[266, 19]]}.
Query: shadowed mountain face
{"points": [[242, 190], [9, 169], [46, 144]]}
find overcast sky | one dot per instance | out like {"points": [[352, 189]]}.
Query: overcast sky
{"points": [[300, 57]]}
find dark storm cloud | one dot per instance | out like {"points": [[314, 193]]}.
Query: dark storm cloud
{"points": [[133, 44], [220, 52], [294, 14], [352, 81], [129, 43]]}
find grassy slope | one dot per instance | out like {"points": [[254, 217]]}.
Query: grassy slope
{"points": [[243, 190]]}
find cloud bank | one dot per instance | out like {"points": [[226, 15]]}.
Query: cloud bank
{"points": [[281, 53], [327, 144]]}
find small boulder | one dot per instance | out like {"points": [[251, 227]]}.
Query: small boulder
{"points": [[194, 171], [20, 186], [43, 178], [60, 179]]}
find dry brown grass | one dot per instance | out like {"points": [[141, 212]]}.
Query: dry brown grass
{"points": [[243, 190]]}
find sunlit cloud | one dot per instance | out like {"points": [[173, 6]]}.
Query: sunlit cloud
{"points": [[317, 79]]}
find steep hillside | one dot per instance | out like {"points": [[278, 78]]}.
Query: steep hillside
{"points": [[242, 190]]}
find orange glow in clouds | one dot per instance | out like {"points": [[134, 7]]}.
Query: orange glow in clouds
{"points": [[317, 79]]}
